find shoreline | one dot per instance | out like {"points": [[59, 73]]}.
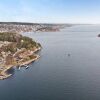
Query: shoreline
{"points": [[30, 61], [4, 75]]}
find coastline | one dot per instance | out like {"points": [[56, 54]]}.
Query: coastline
{"points": [[3, 73], [30, 61]]}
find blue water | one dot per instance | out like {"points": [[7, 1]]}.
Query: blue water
{"points": [[57, 76]]}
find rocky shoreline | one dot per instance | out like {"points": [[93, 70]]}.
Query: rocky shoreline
{"points": [[16, 50], [5, 75]]}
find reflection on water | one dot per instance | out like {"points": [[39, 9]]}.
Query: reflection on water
{"points": [[11, 71]]}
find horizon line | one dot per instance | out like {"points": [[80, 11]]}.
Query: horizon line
{"points": [[48, 23]]}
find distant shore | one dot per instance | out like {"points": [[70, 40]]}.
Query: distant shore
{"points": [[30, 27]]}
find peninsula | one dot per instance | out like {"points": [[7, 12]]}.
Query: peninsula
{"points": [[16, 50]]}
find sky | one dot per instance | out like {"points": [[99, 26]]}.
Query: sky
{"points": [[50, 11]]}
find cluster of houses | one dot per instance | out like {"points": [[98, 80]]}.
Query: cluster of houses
{"points": [[19, 28], [20, 56], [2, 53]]}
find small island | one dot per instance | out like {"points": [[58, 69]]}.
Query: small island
{"points": [[98, 35], [16, 50]]}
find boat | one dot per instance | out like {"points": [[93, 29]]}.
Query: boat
{"points": [[68, 54], [19, 67], [26, 66]]}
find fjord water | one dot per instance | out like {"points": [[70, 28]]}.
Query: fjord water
{"points": [[57, 76]]}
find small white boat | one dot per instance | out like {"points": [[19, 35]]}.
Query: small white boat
{"points": [[19, 67], [26, 66]]}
